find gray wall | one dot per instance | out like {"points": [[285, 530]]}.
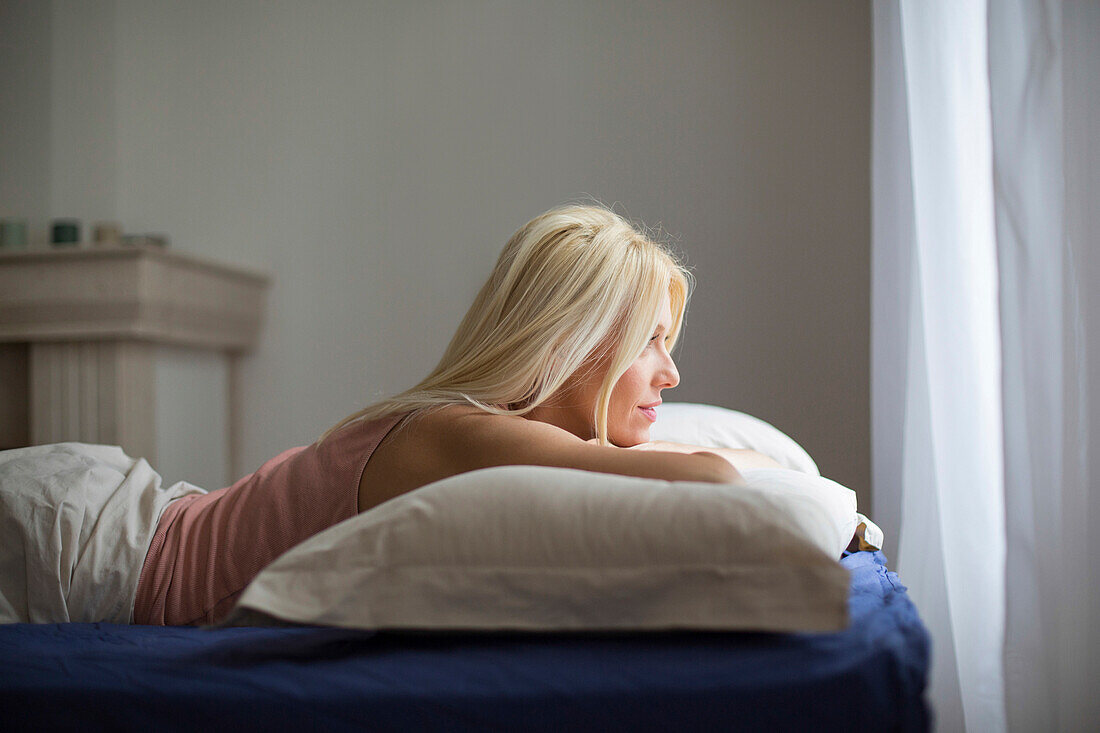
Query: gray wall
{"points": [[374, 158], [25, 113]]}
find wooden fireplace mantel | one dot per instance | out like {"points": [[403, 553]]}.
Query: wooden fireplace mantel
{"points": [[78, 333]]}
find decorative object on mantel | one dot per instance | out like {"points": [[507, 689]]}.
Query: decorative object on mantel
{"points": [[13, 233], [145, 240], [65, 233], [107, 234]]}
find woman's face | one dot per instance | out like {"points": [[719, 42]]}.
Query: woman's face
{"points": [[630, 414]]}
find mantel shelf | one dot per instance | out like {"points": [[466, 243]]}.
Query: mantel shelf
{"points": [[129, 293]]}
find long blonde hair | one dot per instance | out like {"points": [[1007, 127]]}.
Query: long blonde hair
{"points": [[573, 286]]}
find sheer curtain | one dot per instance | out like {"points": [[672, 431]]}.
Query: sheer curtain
{"points": [[985, 199]]}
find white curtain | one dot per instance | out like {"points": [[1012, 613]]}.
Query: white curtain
{"points": [[985, 233]]}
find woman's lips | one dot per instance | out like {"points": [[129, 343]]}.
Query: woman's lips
{"points": [[649, 412]]}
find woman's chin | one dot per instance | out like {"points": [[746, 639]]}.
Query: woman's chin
{"points": [[631, 439]]}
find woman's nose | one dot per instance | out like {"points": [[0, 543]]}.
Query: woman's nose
{"points": [[668, 375]]}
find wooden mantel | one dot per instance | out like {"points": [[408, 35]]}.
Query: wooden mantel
{"points": [[78, 333], [128, 293]]}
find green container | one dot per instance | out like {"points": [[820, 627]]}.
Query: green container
{"points": [[13, 234], [65, 232]]}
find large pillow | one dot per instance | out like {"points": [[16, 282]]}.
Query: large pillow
{"points": [[718, 427], [541, 549], [711, 426]]}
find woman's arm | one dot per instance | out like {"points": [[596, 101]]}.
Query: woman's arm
{"points": [[469, 440], [742, 459]]}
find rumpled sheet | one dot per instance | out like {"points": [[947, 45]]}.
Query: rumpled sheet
{"points": [[76, 521]]}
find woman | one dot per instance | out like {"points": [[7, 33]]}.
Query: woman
{"points": [[560, 361]]}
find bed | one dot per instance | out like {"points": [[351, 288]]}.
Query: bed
{"points": [[512, 597], [870, 676]]}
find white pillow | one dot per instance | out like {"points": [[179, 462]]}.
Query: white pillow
{"points": [[711, 426], [539, 548]]}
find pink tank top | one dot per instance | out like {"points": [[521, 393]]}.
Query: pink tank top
{"points": [[208, 547]]}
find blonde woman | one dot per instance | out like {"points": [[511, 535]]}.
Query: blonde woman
{"points": [[560, 361]]}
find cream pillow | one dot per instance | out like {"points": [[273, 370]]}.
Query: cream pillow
{"points": [[540, 548], [718, 427]]}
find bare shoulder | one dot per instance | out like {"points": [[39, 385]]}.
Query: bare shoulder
{"points": [[443, 442], [465, 428], [468, 439], [459, 438]]}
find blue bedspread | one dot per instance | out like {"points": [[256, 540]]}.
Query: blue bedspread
{"points": [[871, 676]]}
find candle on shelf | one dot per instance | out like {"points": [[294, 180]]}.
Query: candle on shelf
{"points": [[65, 232], [107, 234], [13, 233]]}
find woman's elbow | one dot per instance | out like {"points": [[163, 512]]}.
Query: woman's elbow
{"points": [[717, 470]]}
